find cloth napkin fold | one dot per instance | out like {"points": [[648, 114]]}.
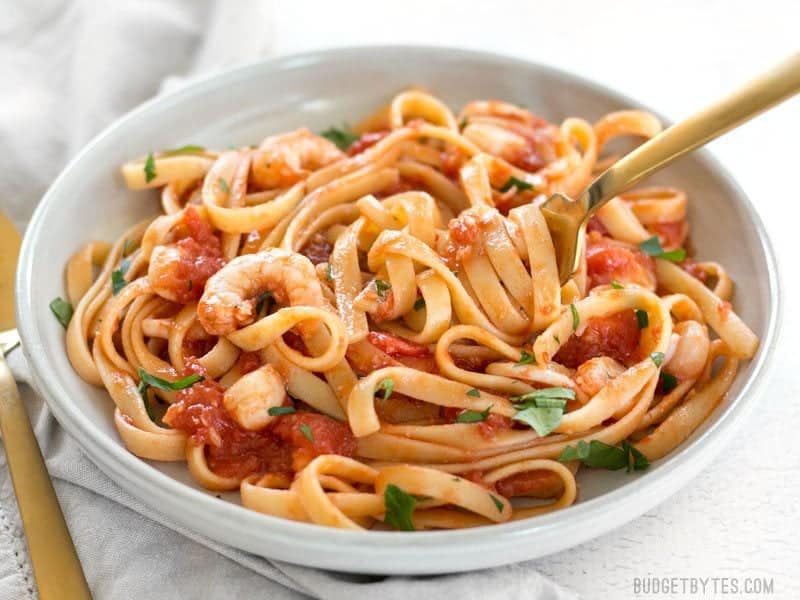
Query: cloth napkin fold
{"points": [[77, 66]]}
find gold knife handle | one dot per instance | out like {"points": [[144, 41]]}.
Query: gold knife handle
{"points": [[774, 86], [55, 563]]}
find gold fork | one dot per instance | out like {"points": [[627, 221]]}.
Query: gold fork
{"points": [[56, 567], [567, 219]]}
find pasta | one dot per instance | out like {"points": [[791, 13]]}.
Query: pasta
{"points": [[366, 329]]}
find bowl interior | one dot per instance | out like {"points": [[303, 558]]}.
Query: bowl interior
{"points": [[89, 201]]}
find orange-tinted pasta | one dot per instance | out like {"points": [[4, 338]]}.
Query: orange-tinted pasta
{"points": [[371, 333]]}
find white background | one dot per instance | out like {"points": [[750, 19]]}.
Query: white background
{"points": [[740, 518]]}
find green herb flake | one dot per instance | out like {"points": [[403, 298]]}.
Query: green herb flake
{"points": [[118, 277], [557, 339], [264, 298], [542, 419], [667, 381], [636, 461], [652, 247], [473, 416], [382, 287], [188, 149], [549, 393], [617, 285], [387, 385], [657, 358], [474, 392], [277, 411], [148, 381], [399, 508], [642, 318], [497, 502], [149, 168], [306, 431], [576, 318], [419, 304], [596, 454], [223, 185], [526, 358], [62, 310], [329, 272], [128, 247], [343, 137], [513, 182]]}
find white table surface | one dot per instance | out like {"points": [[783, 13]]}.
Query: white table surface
{"points": [[740, 517]]}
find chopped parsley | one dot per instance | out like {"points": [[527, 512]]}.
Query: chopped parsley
{"points": [[652, 247], [497, 502], [616, 285], [381, 287], [542, 409], [223, 185], [329, 272], [526, 358], [549, 393], [642, 318], [387, 385], [62, 310], [399, 508], [604, 456], [264, 298], [128, 247], [473, 416], [343, 137], [576, 318], [149, 168], [188, 149], [667, 381], [277, 411], [306, 431], [474, 392], [419, 304], [657, 358], [118, 277], [513, 182], [151, 381]]}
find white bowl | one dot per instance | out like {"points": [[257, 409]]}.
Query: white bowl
{"points": [[89, 201]]}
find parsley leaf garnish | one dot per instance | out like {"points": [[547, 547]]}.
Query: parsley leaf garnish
{"points": [[497, 502], [652, 247], [188, 149], [343, 137], [474, 392], [419, 304], [601, 455], [223, 185], [128, 247], [616, 285], [526, 358], [381, 287], [306, 431], [517, 183], [62, 310], [387, 385], [399, 508], [118, 277], [642, 318], [667, 381], [148, 381], [149, 168], [657, 358], [473, 416], [277, 411], [549, 393], [542, 409], [576, 319]]}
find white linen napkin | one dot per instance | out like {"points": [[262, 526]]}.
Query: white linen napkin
{"points": [[71, 68]]}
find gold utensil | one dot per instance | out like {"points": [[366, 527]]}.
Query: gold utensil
{"points": [[567, 218], [55, 563]]}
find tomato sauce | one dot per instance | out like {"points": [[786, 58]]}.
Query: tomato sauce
{"points": [[367, 140], [249, 362], [607, 261], [235, 452], [396, 346], [616, 336], [318, 249]]}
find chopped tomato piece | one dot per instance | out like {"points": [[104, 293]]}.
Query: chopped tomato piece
{"points": [[608, 260], [539, 484], [616, 336], [311, 435], [695, 270], [248, 362], [672, 235], [396, 346]]}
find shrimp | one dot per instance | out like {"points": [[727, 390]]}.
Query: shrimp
{"points": [[283, 160], [229, 300], [249, 399], [687, 359], [594, 374]]}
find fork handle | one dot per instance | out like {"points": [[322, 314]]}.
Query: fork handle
{"points": [[55, 563], [763, 92]]}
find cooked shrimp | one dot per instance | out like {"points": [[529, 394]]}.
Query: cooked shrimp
{"points": [[283, 160], [249, 399], [593, 375], [229, 300], [690, 353]]}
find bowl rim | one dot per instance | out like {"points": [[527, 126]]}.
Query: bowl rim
{"points": [[380, 552]]}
